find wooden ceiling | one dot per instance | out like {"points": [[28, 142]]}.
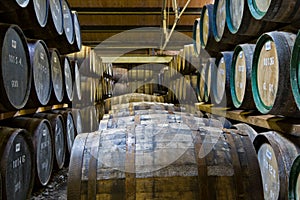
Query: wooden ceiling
{"points": [[102, 19]]}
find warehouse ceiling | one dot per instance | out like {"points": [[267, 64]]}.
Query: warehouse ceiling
{"points": [[126, 23]]}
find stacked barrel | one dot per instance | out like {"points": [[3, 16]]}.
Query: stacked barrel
{"points": [[35, 37], [253, 52], [149, 151]]}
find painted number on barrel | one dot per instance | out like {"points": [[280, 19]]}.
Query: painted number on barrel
{"points": [[15, 59], [19, 161], [14, 44], [14, 83]]}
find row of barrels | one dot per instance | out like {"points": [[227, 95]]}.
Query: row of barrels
{"points": [[33, 75], [226, 23], [91, 63], [31, 148], [262, 76], [146, 150], [50, 20]]}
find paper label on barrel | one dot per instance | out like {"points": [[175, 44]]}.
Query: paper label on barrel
{"points": [[14, 44], [18, 147], [268, 46]]}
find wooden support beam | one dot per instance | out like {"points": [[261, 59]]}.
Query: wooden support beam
{"points": [[276, 123], [138, 60]]}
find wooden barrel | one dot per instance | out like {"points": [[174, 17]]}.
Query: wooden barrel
{"points": [[77, 120], [59, 144], [56, 76], [70, 131], [271, 85], [14, 87], [220, 30], [41, 74], [68, 22], [68, 79], [77, 31], [89, 119], [138, 169], [220, 87], [77, 82], [17, 163], [294, 178], [54, 23], [207, 39], [41, 132], [28, 15], [246, 129], [196, 36], [9, 6], [240, 77], [275, 156], [294, 71], [230, 169], [205, 78], [274, 10], [240, 21]]}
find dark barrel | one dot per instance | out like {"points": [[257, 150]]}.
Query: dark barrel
{"points": [[207, 38], [271, 84], [33, 16], [275, 156], [53, 26], [77, 31], [68, 79], [240, 77], [295, 71], [59, 145], [205, 79], [69, 130], [294, 179], [56, 76], [240, 21], [8, 5], [196, 36], [17, 164], [221, 80], [41, 75], [227, 166], [220, 28], [41, 133], [14, 87], [77, 82], [274, 10]]}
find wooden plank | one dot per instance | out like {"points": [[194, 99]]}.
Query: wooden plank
{"points": [[133, 3], [138, 60], [132, 20], [276, 123]]}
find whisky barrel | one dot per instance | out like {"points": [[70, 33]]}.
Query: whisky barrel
{"points": [[77, 81], [68, 23], [196, 36], [220, 29], [17, 164], [77, 31], [240, 77], [274, 10], [271, 85], [59, 144], [30, 15], [220, 87], [41, 75], [275, 156], [240, 21], [56, 76], [41, 134], [207, 38], [16, 70], [68, 79], [89, 119], [294, 178], [54, 23], [77, 120], [9, 6], [69, 130], [227, 165], [205, 79], [294, 71], [144, 168]]}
